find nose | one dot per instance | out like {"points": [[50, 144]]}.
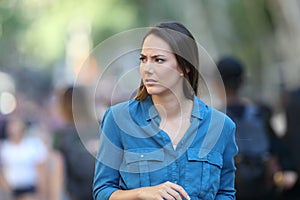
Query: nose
{"points": [[147, 67]]}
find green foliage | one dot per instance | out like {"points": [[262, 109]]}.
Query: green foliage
{"points": [[39, 29]]}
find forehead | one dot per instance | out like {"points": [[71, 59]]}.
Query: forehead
{"points": [[155, 43]]}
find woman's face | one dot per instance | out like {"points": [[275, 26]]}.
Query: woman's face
{"points": [[159, 68], [15, 129]]}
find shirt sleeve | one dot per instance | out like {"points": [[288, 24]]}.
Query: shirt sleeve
{"points": [[106, 177], [227, 190]]}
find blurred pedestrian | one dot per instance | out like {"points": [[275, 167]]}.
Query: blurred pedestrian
{"points": [[166, 143], [23, 162], [292, 138], [77, 159], [254, 173]]}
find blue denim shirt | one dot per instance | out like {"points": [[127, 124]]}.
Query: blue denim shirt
{"points": [[134, 152]]}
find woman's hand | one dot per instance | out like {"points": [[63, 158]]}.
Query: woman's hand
{"points": [[164, 191]]}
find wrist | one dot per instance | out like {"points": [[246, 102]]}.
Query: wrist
{"points": [[134, 194], [139, 193]]}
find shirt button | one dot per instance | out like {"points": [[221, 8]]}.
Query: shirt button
{"points": [[142, 156], [175, 182]]}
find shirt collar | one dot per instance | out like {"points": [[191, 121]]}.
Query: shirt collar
{"points": [[199, 108], [149, 111]]}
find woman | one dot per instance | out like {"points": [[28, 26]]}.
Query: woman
{"points": [[23, 160], [79, 163], [166, 143]]}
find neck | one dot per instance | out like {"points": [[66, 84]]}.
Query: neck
{"points": [[15, 141], [171, 106], [232, 97]]}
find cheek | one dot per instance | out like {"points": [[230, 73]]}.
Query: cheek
{"points": [[171, 72], [141, 69], [170, 77]]}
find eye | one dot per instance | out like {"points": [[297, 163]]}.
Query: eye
{"points": [[143, 59], [159, 60]]}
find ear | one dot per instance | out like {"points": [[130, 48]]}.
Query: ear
{"points": [[181, 71]]}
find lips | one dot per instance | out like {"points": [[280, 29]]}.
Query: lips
{"points": [[150, 81]]}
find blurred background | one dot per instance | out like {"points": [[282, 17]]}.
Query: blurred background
{"points": [[44, 41], [43, 44]]}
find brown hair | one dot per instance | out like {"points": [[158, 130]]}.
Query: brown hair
{"points": [[185, 48], [73, 101]]}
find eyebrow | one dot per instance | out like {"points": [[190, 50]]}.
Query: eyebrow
{"points": [[154, 56]]}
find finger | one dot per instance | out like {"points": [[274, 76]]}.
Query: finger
{"points": [[165, 194], [174, 194], [179, 190]]}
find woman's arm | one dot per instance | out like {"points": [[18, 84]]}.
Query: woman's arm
{"points": [[42, 182], [110, 155], [3, 183], [226, 189], [55, 176]]}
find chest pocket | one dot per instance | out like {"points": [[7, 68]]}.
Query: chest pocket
{"points": [[142, 167], [203, 173]]}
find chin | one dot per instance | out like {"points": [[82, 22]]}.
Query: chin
{"points": [[157, 91], [153, 92]]}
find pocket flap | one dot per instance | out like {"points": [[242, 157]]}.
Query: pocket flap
{"points": [[136, 155], [193, 155], [213, 157]]}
